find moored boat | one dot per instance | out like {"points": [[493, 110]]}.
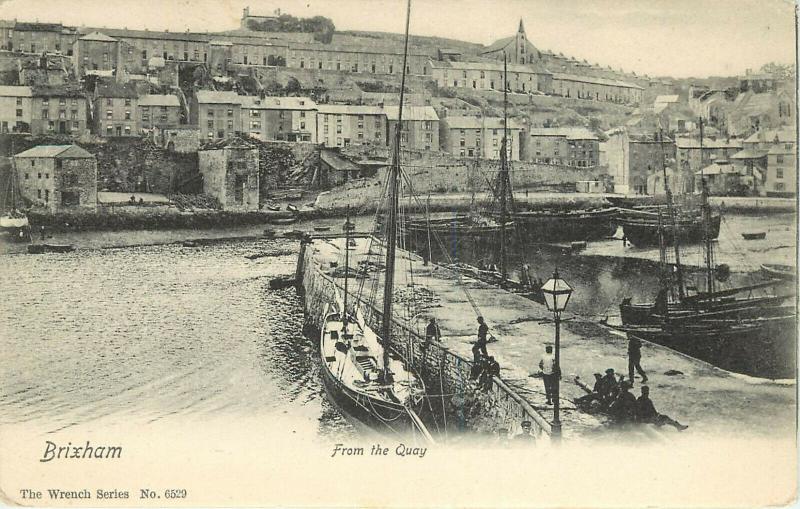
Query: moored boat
{"points": [[754, 236], [641, 228], [567, 225], [777, 271], [50, 248]]}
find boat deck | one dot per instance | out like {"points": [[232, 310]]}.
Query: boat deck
{"points": [[710, 400]]}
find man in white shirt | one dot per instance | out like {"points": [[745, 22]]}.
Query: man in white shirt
{"points": [[548, 367]]}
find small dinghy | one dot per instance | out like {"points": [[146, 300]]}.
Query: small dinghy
{"points": [[50, 248], [754, 236]]}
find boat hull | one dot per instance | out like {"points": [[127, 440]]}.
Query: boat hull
{"points": [[645, 232], [645, 314], [547, 226], [762, 347]]}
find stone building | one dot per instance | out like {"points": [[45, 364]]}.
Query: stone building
{"points": [[345, 125], [420, 129], [781, 176], [95, 51], [58, 110], [632, 157], [489, 76], [155, 110], [517, 49], [58, 176], [372, 58], [596, 89], [15, 109], [690, 157], [218, 115], [115, 109], [568, 146], [39, 38], [480, 137], [279, 118], [721, 177], [230, 173]]}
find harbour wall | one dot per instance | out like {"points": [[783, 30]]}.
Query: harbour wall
{"points": [[446, 374]]}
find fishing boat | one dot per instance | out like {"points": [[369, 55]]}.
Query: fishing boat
{"points": [[14, 223], [777, 271], [460, 225], [641, 228], [555, 225], [50, 248], [282, 220], [754, 235], [735, 328], [370, 380]]}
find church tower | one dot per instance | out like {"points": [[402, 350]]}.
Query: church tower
{"points": [[521, 50]]}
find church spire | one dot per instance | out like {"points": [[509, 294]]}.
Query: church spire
{"points": [[521, 27]]}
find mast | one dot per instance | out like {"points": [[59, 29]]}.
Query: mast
{"points": [[671, 208], [391, 227], [504, 173], [346, 267], [706, 212]]}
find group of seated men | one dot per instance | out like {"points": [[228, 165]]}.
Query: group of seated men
{"points": [[613, 395]]}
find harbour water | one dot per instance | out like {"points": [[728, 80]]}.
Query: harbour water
{"points": [[160, 333]]}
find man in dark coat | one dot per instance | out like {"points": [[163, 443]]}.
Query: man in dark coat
{"points": [[635, 359], [479, 348], [646, 412], [623, 409]]}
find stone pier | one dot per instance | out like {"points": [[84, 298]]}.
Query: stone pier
{"points": [[710, 400]]}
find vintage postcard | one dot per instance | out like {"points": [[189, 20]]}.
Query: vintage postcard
{"points": [[398, 253]]}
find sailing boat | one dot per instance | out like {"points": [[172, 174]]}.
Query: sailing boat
{"points": [[358, 365], [14, 222], [750, 334]]}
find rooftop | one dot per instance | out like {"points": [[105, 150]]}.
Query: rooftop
{"points": [[112, 89], [97, 36], [493, 65], [15, 91], [597, 81], [481, 123], [770, 135], [350, 109], [411, 113], [57, 151], [277, 103], [707, 143], [215, 97], [158, 100], [571, 133]]}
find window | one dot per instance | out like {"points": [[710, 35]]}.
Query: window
{"points": [[40, 175], [339, 129], [73, 114], [109, 114], [360, 135], [127, 130], [19, 101], [463, 142], [27, 175], [62, 114], [779, 160], [210, 124], [302, 114], [47, 175], [109, 102], [51, 125], [127, 115], [230, 113], [255, 125], [45, 102], [45, 113], [325, 129], [76, 125], [779, 173], [109, 130], [39, 193], [19, 112], [210, 113], [127, 102], [230, 124], [302, 125]]}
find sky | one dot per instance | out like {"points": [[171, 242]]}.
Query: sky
{"points": [[679, 38]]}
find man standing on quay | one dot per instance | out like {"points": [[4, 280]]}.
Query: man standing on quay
{"points": [[549, 373], [635, 359]]}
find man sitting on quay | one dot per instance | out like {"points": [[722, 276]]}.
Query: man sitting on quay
{"points": [[646, 412]]}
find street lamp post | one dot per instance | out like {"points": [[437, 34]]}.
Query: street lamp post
{"points": [[556, 295]]}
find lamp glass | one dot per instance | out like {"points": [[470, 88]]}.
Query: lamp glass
{"points": [[556, 294]]}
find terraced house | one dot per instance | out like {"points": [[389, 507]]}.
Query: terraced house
{"points": [[375, 58], [344, 125], [58, 110], [115, 110], [155, 110], [568, 146], [15, 109], [279, 118], [218, 115], [480, 137], [490, 76], [420, 129]]}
